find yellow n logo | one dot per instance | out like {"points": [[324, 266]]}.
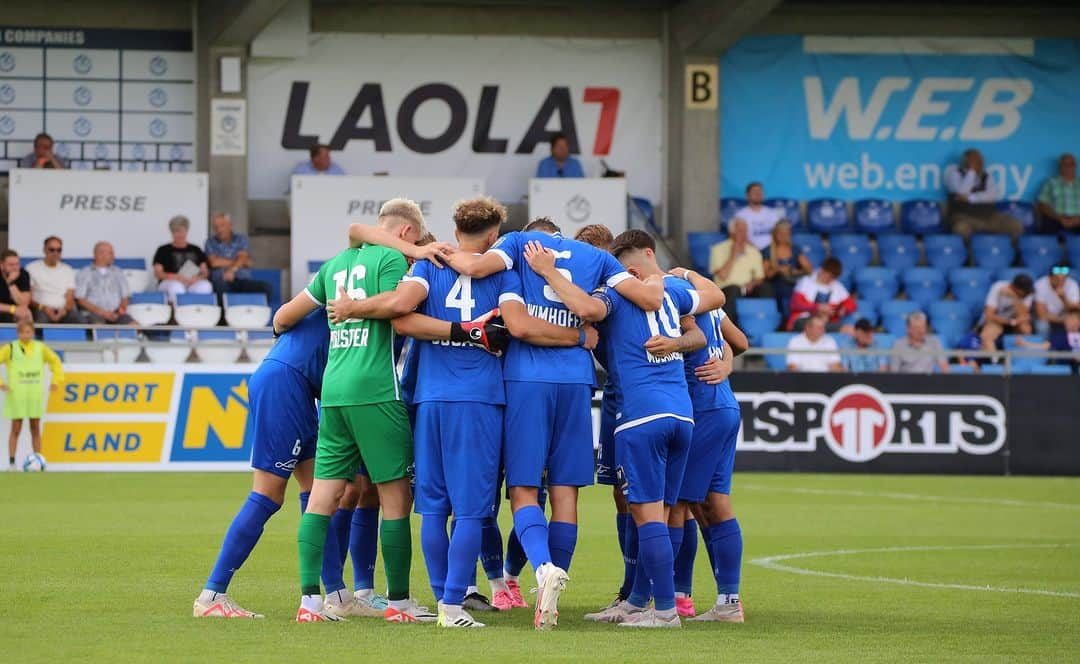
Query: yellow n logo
{"points": [[207, 413]]}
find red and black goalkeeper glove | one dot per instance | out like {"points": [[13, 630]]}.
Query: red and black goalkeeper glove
{"points": [[488, 332]]}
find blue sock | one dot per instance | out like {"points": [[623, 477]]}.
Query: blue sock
{"points": [[340, 523], [621, 523], [641, 587], [515, 555], [727, 548], [333, 570], [240, 539], [706, 535], [436, 546], [304, 495], [491, 551], [532, 532], [364, 546], [472, 575], [630, 554], [562, 539], [464, 548], [655, 554], [684, 559]]}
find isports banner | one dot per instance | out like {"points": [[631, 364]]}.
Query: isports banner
{"points": [[881, 117], [458, 106]]}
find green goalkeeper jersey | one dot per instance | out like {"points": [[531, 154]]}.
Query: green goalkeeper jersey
{"points": [[360, 369]]}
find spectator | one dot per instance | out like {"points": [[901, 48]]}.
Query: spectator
{"points": [[102, 290], [319, 163], [813, 338], [918, 352], [1055, 295], [738, 269], [1008, 310], [1065, 340], [181, 267], [864, 340], [785, 264], [560, 164], [973, 195], [821, 293], [1059, 198], [42, 156], [14, 289], [52, 286], [230, 260], [758, 218]]}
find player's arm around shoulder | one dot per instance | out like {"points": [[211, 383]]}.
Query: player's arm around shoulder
{"points": [[542, 261], [709, 294]]}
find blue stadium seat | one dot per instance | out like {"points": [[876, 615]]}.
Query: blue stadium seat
{"points": [[851, 249], [950, 333], [272, 277], [148, 297], [241, 299], [876, 284], [811, 245], [1009, 273], [186, 299], [757, 317], [728, 208], [788, 207], [925, 285], [865, 309], [1072, 248], [1051, 369], [945, 252], [894, 314], [992, 251], [884, 341], [992, 369], [875, 216], [1022, 363], [898, 251], [827, 215], [969, 285], [1040, 252], [950, 312], [1025, 212], [61, 334], [699, 244], [921, 217], [777, 361], [131, 263]]}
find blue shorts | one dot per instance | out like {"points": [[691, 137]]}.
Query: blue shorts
{"points": [[457, 458], [283, 420], [651, 459], [712, 454], [605, 458], [548, 426]]}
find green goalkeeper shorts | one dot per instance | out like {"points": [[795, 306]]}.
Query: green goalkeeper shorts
{"points": [[376, 434]]}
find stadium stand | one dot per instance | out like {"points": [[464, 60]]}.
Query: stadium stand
{"points": [[924, 285], [827, 215], [898, 251], [1023, 363], [876, 284], [788, 207], [758, 316], [970, 285], [197, 310], [728, 208], [945, 252], [246, 310], [921, 217], [875, 216], [1039, 253], [1025, 212], [1007, 273], [149, 308], [1072, 248], [811, 245], [867, 310], [699, 245], [992, 251], [777, 361], [852, 249], [894, 314]]}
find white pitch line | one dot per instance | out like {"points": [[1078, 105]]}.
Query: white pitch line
{"points": [[771, 562], [1004, 502]]}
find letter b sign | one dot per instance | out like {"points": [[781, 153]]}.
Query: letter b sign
{"points": [[701, 87]]}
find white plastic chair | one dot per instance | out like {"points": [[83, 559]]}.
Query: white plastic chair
{"points": [[246, 310], [197, 310], [148, 309]]}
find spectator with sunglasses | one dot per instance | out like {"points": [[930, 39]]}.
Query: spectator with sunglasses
{"points": [[1056, 294], [52, 287]]}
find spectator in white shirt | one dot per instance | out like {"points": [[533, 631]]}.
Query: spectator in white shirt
{"points": [[973, 196], [759, 218], [1007, 310], [813, 338], [52, 286], [1055, 295]]}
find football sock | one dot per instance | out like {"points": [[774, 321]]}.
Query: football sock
{"points": [[727, 547], [435, 545], [364, 546], [397, 556], [641, 587], [491, 551], [684, 559], [304, 495], [340, 522], [333, 569], [630, 555], [621, 523], [515, 555], [311, 542], [532, 532], [655, 554], [706, 535], [240, 539], [562, 538], [676, 535], [464, 548]]}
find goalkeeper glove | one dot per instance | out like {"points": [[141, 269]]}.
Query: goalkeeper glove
{"points": [[487, 332]]}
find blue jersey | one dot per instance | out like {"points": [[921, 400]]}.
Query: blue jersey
{"points": [[305, 348], [407, 363], [454, 371], [649, 386], [583, 264], [704, 396]]}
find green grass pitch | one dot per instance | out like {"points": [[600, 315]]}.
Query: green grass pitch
{"points": [[104, 567]]}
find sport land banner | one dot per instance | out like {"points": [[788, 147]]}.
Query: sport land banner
{"points": [[324, 206], [399, 104], [881, 117], [130, 210], [576, 202]]}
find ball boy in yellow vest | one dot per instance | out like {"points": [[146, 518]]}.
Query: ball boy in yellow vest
{"points": [[25, 360]]}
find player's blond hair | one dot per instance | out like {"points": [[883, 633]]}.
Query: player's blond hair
{"points": [[397, 211], [478, 214]]}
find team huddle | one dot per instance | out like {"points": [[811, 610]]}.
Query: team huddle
{"points": [[475, 366]]}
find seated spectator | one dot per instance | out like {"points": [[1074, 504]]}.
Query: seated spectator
{"points": [[814, 338], [14, 289], [1059, 198], [785, 264], [738, 269], [52, 286], [1065, 340], [864, 340], [319, 163], [102, 290], [42, 156], [918, 352], [560, 164], [973, 195], [1008, 310], [758, 218], [1055, 295], [230, 260], [181, 267], [821, 293]]}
